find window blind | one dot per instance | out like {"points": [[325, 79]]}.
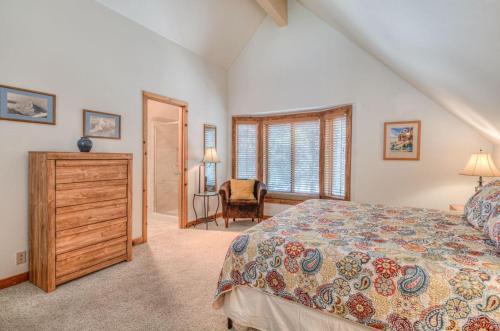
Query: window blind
{"points": [[298, 155], [278, 157], [291, 156], [210, 172], [335, 156], [246, 151]]}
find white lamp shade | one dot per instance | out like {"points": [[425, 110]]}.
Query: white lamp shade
{"points": [[480, 165], [211, 156]]}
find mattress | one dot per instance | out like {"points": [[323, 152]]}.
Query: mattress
{"points": [[250, 307]]}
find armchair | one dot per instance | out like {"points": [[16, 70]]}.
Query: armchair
{"points": [[243, 208]]}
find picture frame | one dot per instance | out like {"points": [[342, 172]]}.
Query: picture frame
{"points": [[103, 125], [23, 105], [402, 140]]}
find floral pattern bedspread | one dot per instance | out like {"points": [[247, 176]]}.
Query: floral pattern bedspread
{"points": [[387, 268]]}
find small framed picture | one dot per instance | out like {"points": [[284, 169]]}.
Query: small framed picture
{"points": [[101, 125], [23, 105], [402, 140]]}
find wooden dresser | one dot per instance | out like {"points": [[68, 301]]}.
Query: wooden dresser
{"points": [[80, 210]]}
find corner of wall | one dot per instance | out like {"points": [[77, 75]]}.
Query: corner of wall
{"points": [[496, 155]]}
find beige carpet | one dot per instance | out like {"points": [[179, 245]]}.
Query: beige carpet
{"points": [[168, 286]]}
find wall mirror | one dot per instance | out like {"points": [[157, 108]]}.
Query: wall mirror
{"points": [[210, 142]]}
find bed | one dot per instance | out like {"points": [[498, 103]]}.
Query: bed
{"points": [[344, 266]]}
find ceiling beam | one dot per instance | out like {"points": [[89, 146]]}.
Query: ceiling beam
{"points": [[277, 9]]}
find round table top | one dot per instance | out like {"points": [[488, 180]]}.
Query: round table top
{"points": [[206, 194]]}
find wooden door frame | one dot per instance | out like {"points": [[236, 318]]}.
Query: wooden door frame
{"points": [[183, 144]]}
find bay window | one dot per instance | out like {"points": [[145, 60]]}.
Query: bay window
{"points": [[298, 156]]}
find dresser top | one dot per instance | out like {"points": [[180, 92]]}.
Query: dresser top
{"points": [[84, 156]]}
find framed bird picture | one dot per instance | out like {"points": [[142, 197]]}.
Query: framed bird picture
{"points": [[101, 125], [17, 104]]}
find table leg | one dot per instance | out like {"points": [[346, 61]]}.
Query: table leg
{"points": [[217, 210], [207, 211], [195, 215]]}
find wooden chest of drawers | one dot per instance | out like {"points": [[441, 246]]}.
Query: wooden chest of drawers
{"points": [[80, 208]]}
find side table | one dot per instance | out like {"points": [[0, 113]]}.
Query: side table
{"points": [[206, 205]]}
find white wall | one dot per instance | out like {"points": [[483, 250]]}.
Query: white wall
{"points": [[496, 156], [309, 64], [93, 58]]}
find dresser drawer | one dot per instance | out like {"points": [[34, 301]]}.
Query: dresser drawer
{"points": [[68, 171], [80, 215], [80, 193], [83, 259], [76, 238]]}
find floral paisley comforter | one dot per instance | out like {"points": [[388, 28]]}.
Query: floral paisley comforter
{"points": [[387, 268]]}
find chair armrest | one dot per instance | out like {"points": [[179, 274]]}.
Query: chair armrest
{"points": [[261, 192], [224, 192]]}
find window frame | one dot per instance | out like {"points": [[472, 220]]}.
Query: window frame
{"points": [[322, 116]]}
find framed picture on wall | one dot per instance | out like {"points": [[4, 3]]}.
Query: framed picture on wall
{"points": [[101, 125], [402, 140], [17, 104]]}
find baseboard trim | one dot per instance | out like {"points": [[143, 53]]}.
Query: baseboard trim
{"points": [[14, 280], [197, 221], [137, 241]]}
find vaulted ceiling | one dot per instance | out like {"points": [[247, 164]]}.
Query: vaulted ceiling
{"points": [[216, 30], [448, 49]]}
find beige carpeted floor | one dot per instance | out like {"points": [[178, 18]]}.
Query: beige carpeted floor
{"points": [[168, 286]]}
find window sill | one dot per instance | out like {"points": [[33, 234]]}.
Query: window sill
{"points": [[295, 199], [288, 198], [282, 201]]}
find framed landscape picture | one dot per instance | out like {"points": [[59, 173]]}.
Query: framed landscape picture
{"points": [[23, 105], [101, 125], [402, 140]]}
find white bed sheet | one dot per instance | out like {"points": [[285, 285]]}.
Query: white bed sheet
{"points": [[252, 308]]}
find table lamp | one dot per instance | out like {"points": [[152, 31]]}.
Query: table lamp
{"points": [[481, 165], [209, 157]]}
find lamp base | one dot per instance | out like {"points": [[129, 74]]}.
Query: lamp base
{"points": [[479, 184]]}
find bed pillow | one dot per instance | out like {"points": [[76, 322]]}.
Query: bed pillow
{"points": [[492, 227], [242, 189], [482, 204]]}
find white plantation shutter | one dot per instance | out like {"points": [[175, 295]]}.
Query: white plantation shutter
{"points": [[278, 157], [246, 151], [335, 156], [210, 172], [291, 156], [306, 157], [298, 156]]}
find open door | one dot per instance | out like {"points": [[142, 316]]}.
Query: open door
{"points": [[155, 132]]}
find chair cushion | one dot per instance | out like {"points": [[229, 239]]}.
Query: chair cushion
{"points": [[482, 204], [243, 202], [242, 189]]}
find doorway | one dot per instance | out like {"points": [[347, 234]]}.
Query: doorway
{"points": [[163, 161], [164, 195]]}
